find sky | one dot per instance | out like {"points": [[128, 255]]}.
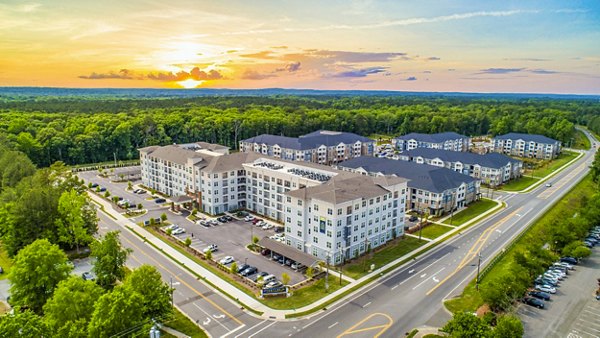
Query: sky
{"points": [[550, 46]]}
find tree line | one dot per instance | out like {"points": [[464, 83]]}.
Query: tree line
{"points": [[90, 130]]}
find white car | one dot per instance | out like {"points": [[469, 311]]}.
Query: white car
{"points": [[211, 248], [267, 226], [178, 231], [172, 227], [248, 218], [545, 288], [548, 185], [226, 260]]}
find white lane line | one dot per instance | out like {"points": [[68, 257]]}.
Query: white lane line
{"points": [[206, 313], [409, 278], [261, 330], [250, 329], [232, 332], [432, 276], [332, 325], [364, 306], [395, 286]]}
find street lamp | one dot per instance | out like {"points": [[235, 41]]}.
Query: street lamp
{"points": [[246, 261], [343, 262], [327, 273], [171, 279], [478, 267]]}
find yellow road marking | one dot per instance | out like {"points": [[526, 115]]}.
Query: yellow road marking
{"points": [[548, 192], [189, 286], [383, 327], [475, 249]]}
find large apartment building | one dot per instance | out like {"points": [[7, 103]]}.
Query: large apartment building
{"points": [[446, 141], [322, 146], [493, 169], [326, 212], [430, 188], [527, 145]]}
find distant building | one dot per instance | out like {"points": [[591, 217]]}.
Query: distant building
{"points": [[492, 169], [446, 141], [527, 145], [322, 146], [437, 190], [326, 212]]}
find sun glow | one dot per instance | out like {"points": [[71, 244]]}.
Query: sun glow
{"points": [[189, 83]]}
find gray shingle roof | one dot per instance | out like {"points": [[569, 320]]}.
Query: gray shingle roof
{"points": [[431, 138], [527, 138], [309, 141], [172, 153], [420, 176], [491, 160]]}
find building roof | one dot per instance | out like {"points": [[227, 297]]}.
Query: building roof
{"points": [[431, 138], [527, 138], [172, 153], [211, 146], [229, 162], [344, 189], [420, 176], [309, 141], [288, 251], [491, 160], [180, 199]]}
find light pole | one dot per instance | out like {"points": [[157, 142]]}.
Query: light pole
{"points": [[246, 261], [343, 261], [171, 280], [327, 274], [420, 224], [478, 267]]}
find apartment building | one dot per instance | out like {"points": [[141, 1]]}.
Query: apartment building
{"points": [[446, 141], [527, 145], [433, 189], [322, 146], [325, 211], [493, 169]]}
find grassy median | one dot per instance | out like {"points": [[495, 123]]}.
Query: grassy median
{"points": [[184, 325], [545, 168], [434, 231], [473, 210], [519, 184]]}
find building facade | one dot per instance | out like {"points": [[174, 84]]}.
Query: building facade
{"points": [[431, 189], [492, 169], [445, 141], [527, 145], [322, 146]]}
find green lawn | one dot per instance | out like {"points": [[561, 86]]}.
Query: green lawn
{"points": [[5, 262], [386, 255], [581, 141], [547, 167], [473, 210], [306, 295], [433, 231], [566, 207], [519, 184], [183, 324]]}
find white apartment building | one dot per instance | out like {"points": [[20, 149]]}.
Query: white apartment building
{"points": [[493, 169], [446, 141], [322, 146], [527, 145]]}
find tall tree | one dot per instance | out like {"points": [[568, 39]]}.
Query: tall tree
{"points": [[466, 325], [23, 324], [508, 326], [110, 259], [76, 219], [156, 294], [117, 312], [37, 270]]}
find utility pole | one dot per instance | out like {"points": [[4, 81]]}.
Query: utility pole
{"points": [[478, 267], [171, 279], [327, 274], [115, 155], [343, 262], [420, 224]]}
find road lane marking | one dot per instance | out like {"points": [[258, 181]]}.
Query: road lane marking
{"points": [[332, 325], [432, 276], [423, 275], [206, 313], [395, 286], [364, 306], [382, 327], [261, 330], [249, 329]]}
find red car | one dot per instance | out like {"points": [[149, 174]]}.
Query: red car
{"points": [[256, 220]]}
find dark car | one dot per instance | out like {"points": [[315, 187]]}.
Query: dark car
{"points": [[279, 229], [160, 200], [569, 260], [540, 295], [94, 185], [534, 302], [242, 267], [265, 252], [249, 271], [88, 276], [276, 257], [413, 218], [228, 218], [102, 189]]}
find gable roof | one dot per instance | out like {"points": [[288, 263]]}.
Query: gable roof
{"points": [[491, 160], [420, 176], [527, 138], [431, 138], [309, 141], [172, 153]]}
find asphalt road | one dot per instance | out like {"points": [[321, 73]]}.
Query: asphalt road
{"points": [[413, 295]]}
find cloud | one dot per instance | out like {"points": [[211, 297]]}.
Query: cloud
{"points": [[279, 47], [345, 56], [500, 70], [266, 54], [194, 74], [254, 75], [123, 74], [433, 58], [411, 78], [543, 71], [358, 72], [427, 72], [526, 59], [290, 67]]}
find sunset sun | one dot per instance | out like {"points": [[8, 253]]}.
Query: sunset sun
{"points": [[189, 83]]}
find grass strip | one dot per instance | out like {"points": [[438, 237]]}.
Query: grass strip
{"points": [[519, 184], [473, 210], [434, 231], [184, 325], [548, 167]]}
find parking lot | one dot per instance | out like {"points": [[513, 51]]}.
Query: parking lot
{"points": [[230, 237], [573, 311]]}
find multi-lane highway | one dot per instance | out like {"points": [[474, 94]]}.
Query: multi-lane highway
{"points": [[410, 297]]}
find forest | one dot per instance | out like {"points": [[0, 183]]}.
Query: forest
{"points": [[90, 129]]}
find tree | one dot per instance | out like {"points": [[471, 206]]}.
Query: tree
{"points": [[110, 259], [163, 217], [208, 255], [140, 206], [285, 278], [581, 251], [233, 267], [107, 194], [129, 185], [255, 240], [115, 312], [23, 324], [508, 326], [37, 270], [309, 272], [77, 219], [466, 325], [70, 309], [156, 294], [188, 241]]}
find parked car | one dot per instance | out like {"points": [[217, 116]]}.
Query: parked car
{"points": [[565, 264], [160, 200], [297, 266], [279, 229], [205, 224], [534, 302], [265, 252], [248, 218], [102, 189], [88, 276], [178, 231], [570, 260], [242, 267], [211, 248], [413, 218], [256, 220], [267, 226], [139, 191], [273, 284], [222, 219], [540, 295], [288, 262], [172, 227], [213, 222], [545, 288], [94, 185], [226, 260], [276, 257], [249, 271], [228, 218]]}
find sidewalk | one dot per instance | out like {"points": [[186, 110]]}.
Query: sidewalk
{"points": [[250, 302]]}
